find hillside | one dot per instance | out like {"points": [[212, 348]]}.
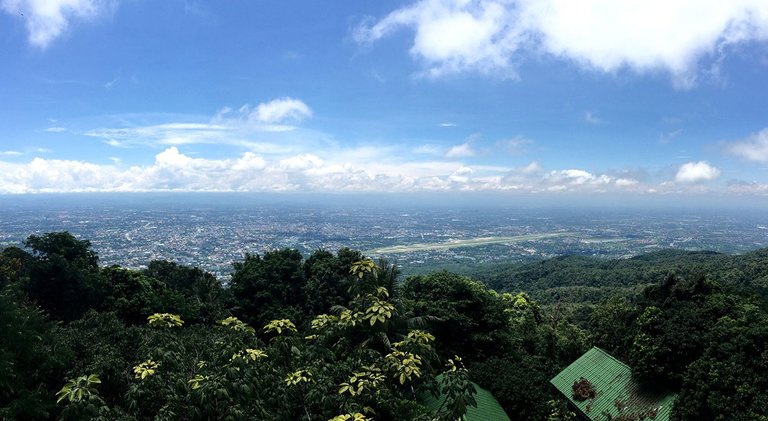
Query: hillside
{"points": [[339, 337]]}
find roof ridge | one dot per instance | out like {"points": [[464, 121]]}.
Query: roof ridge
{"points": [[608, 354]]}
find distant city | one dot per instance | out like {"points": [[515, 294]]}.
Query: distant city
{"points": [[213, 235]]}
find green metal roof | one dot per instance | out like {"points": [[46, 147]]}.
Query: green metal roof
{"points": [[488, 408], [614, 387]]}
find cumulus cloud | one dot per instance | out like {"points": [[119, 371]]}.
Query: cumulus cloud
{"points": [[489, 36], [577, 177], [461, 175], [301, 162], [47, 20], [753, 148], [695, 172], [453, 36]]}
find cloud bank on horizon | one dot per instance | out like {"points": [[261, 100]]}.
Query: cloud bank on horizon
{"points": [[604, 97], [175, 171]]}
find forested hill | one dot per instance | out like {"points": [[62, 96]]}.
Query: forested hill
{"points": [[337, 336], [584, 280]]}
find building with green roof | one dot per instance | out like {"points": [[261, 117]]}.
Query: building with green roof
{"points": [[488, 408], [611, 391]]}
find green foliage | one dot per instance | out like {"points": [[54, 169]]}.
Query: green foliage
{"points": [[559, 411], [405, 366], [194, 294], [269, 287], [729, 382], [367, 380], [14, 266], [672, 331], [278, 326], [577, 283], [363, 267], [101, 343], [164, 320], [64, 245], [457, 390], [80, 389], [470, 319], [81, 398], [341, 339], [134, 295], [145, 369], [237, 325], [519, 381], [298, 377], [327, 279], [64, 276], [31, 362], [350, 417], [612, 325]]}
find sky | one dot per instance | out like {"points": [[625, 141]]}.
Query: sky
{"points": [[516, 97]]}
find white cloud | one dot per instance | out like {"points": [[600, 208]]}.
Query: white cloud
{"points": [[647, 34], [56, 129], [47, 20], [489, 36], [462, 150], [461, 175], [112, 142], [626, 182], [271, 116], [760, 189], [278, 111], [694, 172], [753, 148], [453, 36], [10, 153], [355, 170], [577, 178], [301, 162], [532, 168], [447, 124], [227, 126], [160, 134]]}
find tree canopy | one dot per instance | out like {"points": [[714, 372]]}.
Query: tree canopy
{"points": [[338, 336]]}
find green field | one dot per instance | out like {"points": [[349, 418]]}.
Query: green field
{"points": [[471, 242]]}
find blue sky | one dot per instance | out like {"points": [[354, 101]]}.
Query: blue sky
{"points": [[546, 97]]}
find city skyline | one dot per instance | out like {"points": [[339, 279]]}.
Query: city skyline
{"points": [[527, 97]]}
